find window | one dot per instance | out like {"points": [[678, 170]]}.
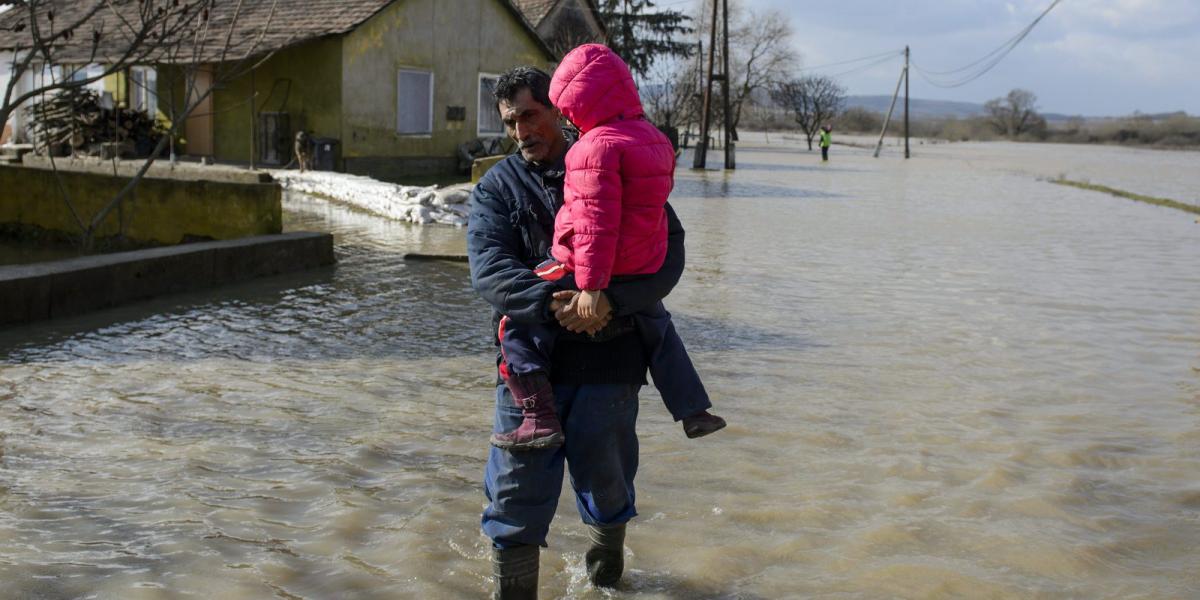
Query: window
{"points": [[75, 72], [489, 118], [143, 82], [414, 102], [83, 73]]}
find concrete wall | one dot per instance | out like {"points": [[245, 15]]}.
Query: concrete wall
{"points": [[61, 288], [162, 211], [161, 169], [457, 40]]}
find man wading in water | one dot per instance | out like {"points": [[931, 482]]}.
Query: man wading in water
{"points": [[595, 378]]}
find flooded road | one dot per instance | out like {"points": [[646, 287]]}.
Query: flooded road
{"points": [[944, 377]]}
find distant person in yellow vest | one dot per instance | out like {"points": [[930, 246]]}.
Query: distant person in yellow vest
{"points": [[826, 140]]}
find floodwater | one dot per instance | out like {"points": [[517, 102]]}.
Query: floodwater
{"points": [[945, 378]]}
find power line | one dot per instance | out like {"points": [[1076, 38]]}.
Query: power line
{"points": [[869, 65], [988, 61], [885, 55], [1007, 43]]}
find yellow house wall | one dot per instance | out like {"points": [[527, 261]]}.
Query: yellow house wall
{"points": [[457, 40], [114, 84], [313, 102]]}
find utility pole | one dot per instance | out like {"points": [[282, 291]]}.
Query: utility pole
{"points": [[701, 157], [891, 107], [729, 164], [687, 132], [906, 153]]}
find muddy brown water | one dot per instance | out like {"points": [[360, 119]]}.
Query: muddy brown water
{"points": [[945, 378]]}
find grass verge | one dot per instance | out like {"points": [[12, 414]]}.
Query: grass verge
{"points": [[1184, 206]]}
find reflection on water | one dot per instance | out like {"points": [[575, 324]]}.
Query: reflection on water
{"points": [[723, 188], [944, 379]]}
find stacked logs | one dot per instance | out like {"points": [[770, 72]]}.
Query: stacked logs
{"points": [[75, 122]]}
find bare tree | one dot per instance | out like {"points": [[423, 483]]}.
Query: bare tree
{"points": [[60, 40], [669, 93], [1014, 114], [189, 36], [761, 55], [814, 101], [859, 119]]}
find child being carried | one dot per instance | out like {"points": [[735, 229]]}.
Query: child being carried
{"points": [[613, 223]]}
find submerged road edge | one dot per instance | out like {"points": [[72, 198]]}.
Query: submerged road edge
{"points": [[54, 289]]}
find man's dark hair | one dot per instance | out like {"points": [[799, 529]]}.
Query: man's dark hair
{"points": [[519, 78]]}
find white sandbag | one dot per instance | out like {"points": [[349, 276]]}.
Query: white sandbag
{"points": [[414, 204]]}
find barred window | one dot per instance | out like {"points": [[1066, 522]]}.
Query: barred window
{"points": [[489, 118]]}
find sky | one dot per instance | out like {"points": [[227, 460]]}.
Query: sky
{"points": [[1087, 57]]}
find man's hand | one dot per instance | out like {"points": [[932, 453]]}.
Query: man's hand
{"points": [[565, 305]]}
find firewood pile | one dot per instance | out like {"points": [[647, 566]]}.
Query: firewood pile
{"points": [[74, 122]]}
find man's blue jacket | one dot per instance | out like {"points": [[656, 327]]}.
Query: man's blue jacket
{"points": [[511, 224]]}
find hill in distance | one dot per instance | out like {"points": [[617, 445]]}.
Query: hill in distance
{"points": [[943, 109], [918, 108]]}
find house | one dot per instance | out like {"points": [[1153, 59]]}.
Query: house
{"points": [[564, 24], [398, 84], [38, 75]]}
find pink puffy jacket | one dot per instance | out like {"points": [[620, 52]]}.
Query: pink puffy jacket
{"points": [[619, 173]]}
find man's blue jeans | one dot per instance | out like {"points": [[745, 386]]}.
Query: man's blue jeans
{"points": [[601, 452]]}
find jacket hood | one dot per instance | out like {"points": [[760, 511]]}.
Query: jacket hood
{"points": [[593, 86]]}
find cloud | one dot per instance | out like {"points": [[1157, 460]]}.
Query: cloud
{"points": [[1086, 56], [913, 19], [1109, 56], [1133, 19]]}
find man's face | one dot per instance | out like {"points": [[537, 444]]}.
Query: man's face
{"points": [[534, 127]]}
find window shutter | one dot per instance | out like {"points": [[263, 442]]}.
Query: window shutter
{"points": [[414, 103]]}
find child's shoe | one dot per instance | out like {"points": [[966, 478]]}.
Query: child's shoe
{"points": [[702, 424], [540, 428]]}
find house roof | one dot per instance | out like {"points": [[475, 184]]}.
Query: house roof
{"points": [[535, 10], [258, 27], [557, 31]]}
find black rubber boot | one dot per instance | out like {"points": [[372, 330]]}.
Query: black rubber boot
{"points": [[606, 558], [515, 571]]}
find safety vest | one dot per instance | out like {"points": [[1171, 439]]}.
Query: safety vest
{"points": [[826, 139]]}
